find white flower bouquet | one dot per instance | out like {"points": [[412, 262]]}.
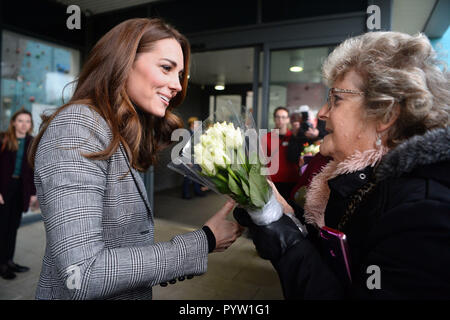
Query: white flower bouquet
{"points": [[227, 158]]}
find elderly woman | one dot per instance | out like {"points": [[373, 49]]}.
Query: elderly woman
{"points": [[387, 187]]}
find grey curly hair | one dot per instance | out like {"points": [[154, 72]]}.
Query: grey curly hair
{"points": [[397, 70]]}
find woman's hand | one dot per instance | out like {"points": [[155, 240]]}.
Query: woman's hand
{"points": [[225, 231], [1, 199], [286, 207], [34, 204], [312, 133], [301, 161]]}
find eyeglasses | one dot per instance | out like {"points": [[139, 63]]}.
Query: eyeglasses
{"points": [[331, 99]]}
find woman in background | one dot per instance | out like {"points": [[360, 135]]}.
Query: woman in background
{"points": [[17, 191]]}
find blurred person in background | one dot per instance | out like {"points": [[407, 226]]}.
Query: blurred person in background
{"points": [[17, 191], [303, 132], [286, 176]]}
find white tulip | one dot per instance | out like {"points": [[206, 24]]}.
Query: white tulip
{"points": [[198, 153], [221, 159], [204, 158], [215, 145], [209, 167]]}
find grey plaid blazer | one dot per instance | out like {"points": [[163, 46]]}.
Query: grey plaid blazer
{"points": [[100, 235]]}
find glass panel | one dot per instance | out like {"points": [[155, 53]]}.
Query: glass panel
{"points": [[34, 74], [224, 76], [295, 80]]}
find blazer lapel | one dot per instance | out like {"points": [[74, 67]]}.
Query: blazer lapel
{"points": [[139, 182]]}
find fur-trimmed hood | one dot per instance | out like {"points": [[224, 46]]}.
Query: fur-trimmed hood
{"points": [[432, 147], [418, 151]]}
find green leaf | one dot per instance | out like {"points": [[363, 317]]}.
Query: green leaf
{"points": [[242, 200], [253, 159], [234, 187], [246, 188], [258, 186], [221, 186], [242, 161], [240, 172]]}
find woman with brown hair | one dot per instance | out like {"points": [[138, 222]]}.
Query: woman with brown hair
{"points": [[17, 191], [99, 225]]}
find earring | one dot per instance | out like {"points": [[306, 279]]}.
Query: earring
{"points": [[378, 141]]}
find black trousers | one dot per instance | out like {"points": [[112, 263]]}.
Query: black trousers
{"points": [[10, 218]]}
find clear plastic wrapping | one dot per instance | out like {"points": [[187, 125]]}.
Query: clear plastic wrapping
{"points": [[224, 153]]}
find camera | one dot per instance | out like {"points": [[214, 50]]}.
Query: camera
{"points": [[305, 125]]}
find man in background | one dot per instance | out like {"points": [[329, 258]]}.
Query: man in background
{"points": [[286, 176]]}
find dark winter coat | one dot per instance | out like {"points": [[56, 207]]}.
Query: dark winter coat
{"points": [[7, 165], [401, 226]]}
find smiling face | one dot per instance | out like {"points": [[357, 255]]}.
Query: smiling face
{"points": [[155, 77], [348, 130], [22, 124]]}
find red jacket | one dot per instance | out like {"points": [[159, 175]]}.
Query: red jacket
{"points": [[287, 171]]}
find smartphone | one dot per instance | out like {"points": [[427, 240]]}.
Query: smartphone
{"points": [[335, 244]]}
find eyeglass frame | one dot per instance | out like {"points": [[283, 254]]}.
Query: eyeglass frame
{"points": [[338, 90], [281, 117]]}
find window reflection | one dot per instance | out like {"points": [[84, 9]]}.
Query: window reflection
{"points": [[295, 80], [34, 74]]}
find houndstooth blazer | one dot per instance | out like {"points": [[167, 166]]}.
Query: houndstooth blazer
{"points": [[100, 234]]}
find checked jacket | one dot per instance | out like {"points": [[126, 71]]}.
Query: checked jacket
{"points": [[99, 230]]}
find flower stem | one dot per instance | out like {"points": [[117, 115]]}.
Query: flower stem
{"points": [[241, 157], [221, 177], [232, 174]]}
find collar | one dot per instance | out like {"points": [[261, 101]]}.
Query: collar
{"points": [[339, 174], [347, 184], [418, 151]]}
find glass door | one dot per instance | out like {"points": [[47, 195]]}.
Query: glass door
{"points": [[295, 81], [227, 78]]}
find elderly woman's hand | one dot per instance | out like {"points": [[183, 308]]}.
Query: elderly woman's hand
{"points": [[272, 240], [286, 207]]}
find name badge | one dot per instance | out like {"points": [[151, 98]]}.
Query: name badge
{"points": [[285, 143]]}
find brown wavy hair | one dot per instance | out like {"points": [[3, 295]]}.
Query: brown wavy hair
{"points": [[9, 138], [102, 86]]}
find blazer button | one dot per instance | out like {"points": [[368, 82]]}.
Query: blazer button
{"points": [[181, 278], [163, 284], [189, 277], [173, 281]]}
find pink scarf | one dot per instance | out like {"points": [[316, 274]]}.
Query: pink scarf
{"points": [[318, 192]]}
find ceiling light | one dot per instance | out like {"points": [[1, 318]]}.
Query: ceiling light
{"points": [[296, 64], [296, 69], [220, 83]]}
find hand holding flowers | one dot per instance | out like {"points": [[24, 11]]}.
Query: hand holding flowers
{"points": [[222, 158], [223, 163]]}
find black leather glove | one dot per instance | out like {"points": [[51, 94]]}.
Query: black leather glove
{"points": [[272, 240]]}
